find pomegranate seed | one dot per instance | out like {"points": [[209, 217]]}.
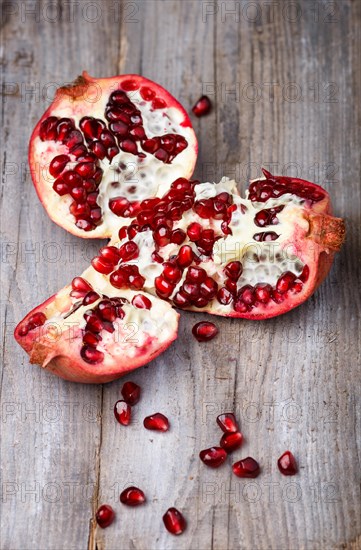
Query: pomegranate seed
{"points": [[131, 393], [80, 284], [204, 208], [202, 107], [157, 422], [233, 270], [194, 231], [102, 265], [147, 93], [178, 236], [141, 302], [263, 292], [231, 441], [247, 295], [213, 457], [172, 273], [91, 355], [107, 311], [224, 296], [180, 300], [128, 251], [129, 86], [105, 516], [157, 258], [248, 467], [91, 339], [285, 281], [58, 164], [191, 290], [305, 274], [90, 298], [204, 331], [163, 288], [120, 206], [132, 496], [209, 288], [158, 103], [162, 235], [196, 274], [287, 464], [174, 521], [122, 412], [110, 254], [227, 422]]}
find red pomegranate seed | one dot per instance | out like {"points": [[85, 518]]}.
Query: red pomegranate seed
{"points": [[305, 274], [131, 393], [263, 292], [132, 496], [102, 265], [204, 331], [185, 256], [162, 235], [213, 457], [80, 284], [58, 164], [90, 298], [147, 93], [129, 251], [285, 281], [180, 300], [287, 464], [91, 355], [231, 441], [105, 516], [141, 302], [174, 521], [227, 422], [248, 467], [202, 107], [196, 274], [209, 288], [129, 85], [172, 273], [178, 236], [204, 208], [157, 422], [107, 311], [122, 412], [233, 270], [224, 296], [110, 254], [163, 288], [91, 339], [194, 231]]}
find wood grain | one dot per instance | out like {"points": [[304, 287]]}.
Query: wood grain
{"points": [[285, 85]]}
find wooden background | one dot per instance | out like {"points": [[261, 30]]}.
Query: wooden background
{"points": [[293, 381]]}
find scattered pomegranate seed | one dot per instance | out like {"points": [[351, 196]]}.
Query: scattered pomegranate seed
{"points": [[122, 412], [174, 521], [141, 302], [132, 496], [227, 422], [131, 393], [287, 464], [248, 467], [157, 422], [204, 331], [202, 107], [213, 457], [231, 441], [105, 516]]}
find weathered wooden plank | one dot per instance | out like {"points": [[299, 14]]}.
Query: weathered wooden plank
{"points": [[292, 381]]}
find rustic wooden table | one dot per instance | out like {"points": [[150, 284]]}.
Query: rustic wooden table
{"points": [[285, 80]]}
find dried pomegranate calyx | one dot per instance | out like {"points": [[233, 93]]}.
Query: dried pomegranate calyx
{"points": [[327, 230]]}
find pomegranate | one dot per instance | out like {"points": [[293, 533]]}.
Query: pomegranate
{"points": [[287, 464], [105, 516], [103, 146], [174, 521], [99, 341]]}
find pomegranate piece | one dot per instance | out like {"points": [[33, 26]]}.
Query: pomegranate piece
{"points": [[174, 521], [131, 393], [105, 516], [231, 441], [248, 467], [287, 464], [228, 423], [132, 496], [202, 107], [213, 457], [122, 412], [157, 422], [92, 146], [204, 331]]}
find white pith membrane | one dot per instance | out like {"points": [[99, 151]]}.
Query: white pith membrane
{"points": [[137, 338], [263, 262], [126, 175]]}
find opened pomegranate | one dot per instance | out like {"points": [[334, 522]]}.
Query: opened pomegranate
{"points": [[103, 146], [92, 332], [252, 258]]}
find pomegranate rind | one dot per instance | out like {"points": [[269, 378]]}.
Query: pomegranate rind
{"points": [[59, 353], [88, 96]]}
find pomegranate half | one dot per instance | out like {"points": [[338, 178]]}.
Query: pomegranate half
{"points": [[104, 145], [90, 332]]}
